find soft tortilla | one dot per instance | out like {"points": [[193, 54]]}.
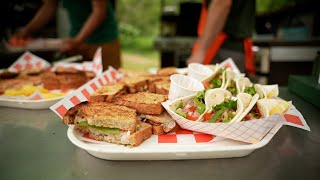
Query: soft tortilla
{"points": [[249, 107], [208, 79], [174, 105], [242, 83]]}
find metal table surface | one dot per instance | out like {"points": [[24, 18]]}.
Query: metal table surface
{"points": [[34, 145]]}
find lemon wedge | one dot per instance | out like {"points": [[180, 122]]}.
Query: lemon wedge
{"points": [[279, 107]]}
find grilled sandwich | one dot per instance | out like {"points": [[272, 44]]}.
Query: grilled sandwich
{"points": [[108, 122]]}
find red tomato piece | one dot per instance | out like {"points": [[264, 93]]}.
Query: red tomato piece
{"points": [[207, 116], [192, 118], [192, 108]]}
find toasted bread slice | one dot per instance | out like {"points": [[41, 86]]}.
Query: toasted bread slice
{"points": [[69, 117], [142, 132], [167, 71], [156, 81], [109, 115], [161, 124], [50, 81], [136, 84], [71, 81], [8, 75], [143, 102], [108, 92], [162, 87], [157, 129], [66, 70], [133, 73]]}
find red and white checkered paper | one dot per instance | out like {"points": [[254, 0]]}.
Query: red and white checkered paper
{"points": [[95, 65], [28, 61], [247, 131], [83, 93]]}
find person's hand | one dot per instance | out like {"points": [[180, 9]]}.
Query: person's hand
{"points": [[19, 39], [197, 57], [70, 45]]}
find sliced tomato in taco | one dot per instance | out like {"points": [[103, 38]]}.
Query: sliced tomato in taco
{"points": [[192, 108], [217, 80]]}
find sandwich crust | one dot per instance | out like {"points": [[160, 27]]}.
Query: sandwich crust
{"points": [[136, 84], [143, 102], [108, 92], [161, 124], [142, 132]]}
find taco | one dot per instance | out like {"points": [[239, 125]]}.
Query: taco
{"points": [[263, 108], [268, 107], [216, 80], [226, 110], [190, 107], [267, 91], [252, 111], [230, 84], [245, 85]]}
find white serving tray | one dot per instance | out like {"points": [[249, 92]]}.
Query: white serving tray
{"points": [[152, 150], [29, 104]]}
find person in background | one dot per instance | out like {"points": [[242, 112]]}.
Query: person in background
{"points": [[225, 29], [93, 25]]}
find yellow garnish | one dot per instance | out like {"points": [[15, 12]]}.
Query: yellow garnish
{"points": [[52, 95], [272, 93], [280, 107], [27, 90]]}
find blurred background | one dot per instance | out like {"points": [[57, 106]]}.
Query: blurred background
{"points": [[161, 33]]}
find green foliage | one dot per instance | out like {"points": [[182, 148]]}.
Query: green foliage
{"points": [[267, 6], [139, 22], [143, 15]]}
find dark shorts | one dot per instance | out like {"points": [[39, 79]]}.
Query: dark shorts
{"points": [[237, 57]]}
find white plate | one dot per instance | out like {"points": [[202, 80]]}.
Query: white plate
{"points": [[29, 104], [41, 44], [152, 150]]}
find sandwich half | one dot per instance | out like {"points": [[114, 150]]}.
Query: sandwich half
{"points": [[161, 124], [143, 102], [107, 92], [108, 122]]}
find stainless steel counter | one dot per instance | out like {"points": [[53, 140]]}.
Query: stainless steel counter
{"points": [[34, 145]]}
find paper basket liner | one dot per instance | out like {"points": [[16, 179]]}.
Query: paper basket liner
{"points": [[95, 65], [246, 131], [83, 93], [27, 61], [230, 63]]}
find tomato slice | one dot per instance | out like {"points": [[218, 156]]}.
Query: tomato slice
{"points": [[207, 116], [248, 117], [206, 84], [192, 108], [192, 118]]}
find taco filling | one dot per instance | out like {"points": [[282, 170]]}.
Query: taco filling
{"points": [[250, 90], [232, 88], [223, 112], [216, 82], [193, 108], [253, 114]]}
